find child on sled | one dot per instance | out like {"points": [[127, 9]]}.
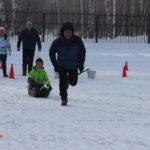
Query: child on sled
{"points": [[39, 83]]}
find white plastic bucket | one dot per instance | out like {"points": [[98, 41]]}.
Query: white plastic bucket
{"points": [[91, 74]]}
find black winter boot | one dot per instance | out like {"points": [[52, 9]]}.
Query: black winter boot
{"points": [[64, 101]]}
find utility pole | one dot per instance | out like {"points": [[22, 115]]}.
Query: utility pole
{"points": [[29, 10], [97, 7], [114, 18], [82, 17]]}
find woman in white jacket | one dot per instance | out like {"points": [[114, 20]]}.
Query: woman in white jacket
{"points": [[5, 48]]}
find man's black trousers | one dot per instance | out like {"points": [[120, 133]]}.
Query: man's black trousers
{"points": [[28, 57], [67, 77]]}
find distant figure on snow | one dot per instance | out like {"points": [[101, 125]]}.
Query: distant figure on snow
{"points": [[39, 83], [29, 37], [5, 48], [67, 54]]}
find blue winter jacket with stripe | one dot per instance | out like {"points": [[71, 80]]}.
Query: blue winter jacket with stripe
{"points": [[5, 46]]}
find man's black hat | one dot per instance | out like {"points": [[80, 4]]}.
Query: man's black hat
{"points": [[67, 26]]}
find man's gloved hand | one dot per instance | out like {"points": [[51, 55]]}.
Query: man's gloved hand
{"points": [[81, 68]]}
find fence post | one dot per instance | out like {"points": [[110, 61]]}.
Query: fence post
{"points": [[148, 27], [43, 26], [96, 29]]}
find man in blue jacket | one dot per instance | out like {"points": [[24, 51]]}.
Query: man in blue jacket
{"points": [[67, 54]]}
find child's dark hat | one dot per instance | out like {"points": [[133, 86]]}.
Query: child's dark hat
{"points": [[39, 60]]}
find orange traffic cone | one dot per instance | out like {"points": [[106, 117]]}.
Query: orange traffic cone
{"points": [[1, 67], [126, 66], [124, 71], [11, 73]]}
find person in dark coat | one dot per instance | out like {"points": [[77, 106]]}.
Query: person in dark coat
{"points": [[29, 37], [67, 54], [39, 83]]}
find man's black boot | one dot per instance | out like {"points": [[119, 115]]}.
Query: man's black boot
{"points": [[64, 101]]}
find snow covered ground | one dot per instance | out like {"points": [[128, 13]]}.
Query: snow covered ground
{"points": [[105, 113]]}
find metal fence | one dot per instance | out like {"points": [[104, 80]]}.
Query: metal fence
{"points": [[91, 27]]}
